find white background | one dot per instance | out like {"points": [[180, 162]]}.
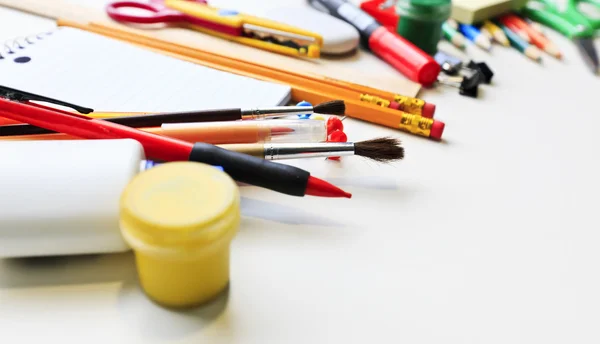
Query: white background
{"points": [[490, 236]]}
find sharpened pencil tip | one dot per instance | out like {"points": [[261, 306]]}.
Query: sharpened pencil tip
{"points": [[483, 42], [533, 53], [553, 51]]}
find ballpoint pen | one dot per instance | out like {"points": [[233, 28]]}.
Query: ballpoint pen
{"points": [[241, 167]]}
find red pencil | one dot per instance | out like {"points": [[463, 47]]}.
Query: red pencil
{"points": [[536, 38], [244, 168]]}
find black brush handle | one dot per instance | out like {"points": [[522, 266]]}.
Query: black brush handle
{"points": [[178, 117], [139, 121], [247, 169]]}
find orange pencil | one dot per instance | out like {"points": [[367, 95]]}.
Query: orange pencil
{"points": [[303, 87], [347, 89], [516, 29], [537, 38]]}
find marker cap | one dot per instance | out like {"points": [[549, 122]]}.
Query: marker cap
{"points": [[404, 56]]}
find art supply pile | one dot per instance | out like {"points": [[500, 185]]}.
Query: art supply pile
{"points": [[155, 153], [508, 23], [150, 156]]}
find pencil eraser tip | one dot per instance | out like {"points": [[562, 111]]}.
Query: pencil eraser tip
{"points": [[437, 129], [394, 105], [428, 110]]}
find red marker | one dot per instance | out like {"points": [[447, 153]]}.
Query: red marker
{"points": [[389, 46], [241, 167], [386, 16]]}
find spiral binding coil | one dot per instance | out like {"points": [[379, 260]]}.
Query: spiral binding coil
{"points": [[14, 45]]}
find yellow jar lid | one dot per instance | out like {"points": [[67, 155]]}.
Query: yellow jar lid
{"points": [[179, 203]]}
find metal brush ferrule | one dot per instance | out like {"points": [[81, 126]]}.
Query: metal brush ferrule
{"points": [[410, 104], [416, 124], [281, 151], [374, 100], [277, 111]]}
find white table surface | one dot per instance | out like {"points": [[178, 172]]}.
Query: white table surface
{"points": [[491, 236]]}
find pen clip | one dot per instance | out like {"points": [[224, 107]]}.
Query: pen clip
{"points": [[22, 96]]}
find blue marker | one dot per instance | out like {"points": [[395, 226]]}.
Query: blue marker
{"points": [[473, 34]]}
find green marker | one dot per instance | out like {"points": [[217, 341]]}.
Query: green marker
{"points": [[421, 22]]}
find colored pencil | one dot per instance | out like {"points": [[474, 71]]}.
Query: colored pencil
{"points": [[453, 36], [536, 26], [518, 43], [537, 39], [497, 33], [453, 23], [515, 28], [473, 34]]}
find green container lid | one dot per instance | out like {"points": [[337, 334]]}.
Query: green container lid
{"points": [[428, 10]]}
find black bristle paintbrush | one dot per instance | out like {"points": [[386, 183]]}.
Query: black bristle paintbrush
{"points": [[383, 149], [334, 107]]}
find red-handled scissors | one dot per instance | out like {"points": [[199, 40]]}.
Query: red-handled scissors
{"points": [[159, 13], [228, 24]]}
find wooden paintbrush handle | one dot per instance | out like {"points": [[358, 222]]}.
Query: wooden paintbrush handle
{"points": [[254, 149]]}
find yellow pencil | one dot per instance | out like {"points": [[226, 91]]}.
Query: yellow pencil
{"points": [[496, 32]]}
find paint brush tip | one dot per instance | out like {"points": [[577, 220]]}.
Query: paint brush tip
{"points": [[333, 107]]}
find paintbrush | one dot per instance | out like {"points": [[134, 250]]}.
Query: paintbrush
{"points": [[141, 120], [382, 149], [282, 178]]}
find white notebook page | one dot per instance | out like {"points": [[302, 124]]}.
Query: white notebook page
{"points": [[91, 70]]}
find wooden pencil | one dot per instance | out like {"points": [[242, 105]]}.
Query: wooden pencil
{"points": [[303, 87], [515, 41], [537, 38], [354, 91]]}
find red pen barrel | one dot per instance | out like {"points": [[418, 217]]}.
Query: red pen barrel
{"points": [[404, 56], [155, 146], [248, 169]]}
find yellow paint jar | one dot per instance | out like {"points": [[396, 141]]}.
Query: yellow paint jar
{"points": [[180, 218]]}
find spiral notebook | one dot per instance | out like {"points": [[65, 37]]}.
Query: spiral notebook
{"points": [[91, 70]]}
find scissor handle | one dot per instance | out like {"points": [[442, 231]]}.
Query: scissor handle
{"points": [[156, 13], [547, 13], [594, 23]]}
